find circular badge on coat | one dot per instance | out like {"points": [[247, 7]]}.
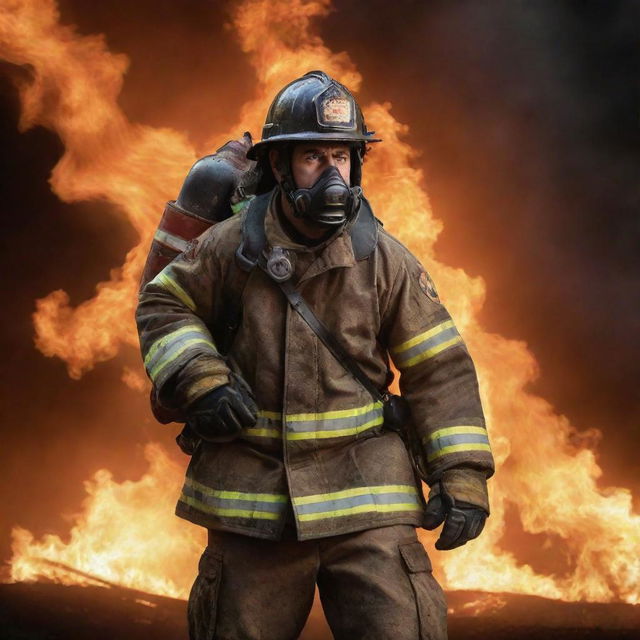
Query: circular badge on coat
{"points": [[426, 284]]}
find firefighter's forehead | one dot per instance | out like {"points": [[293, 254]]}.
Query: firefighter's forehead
{"points": [[321, 147]]}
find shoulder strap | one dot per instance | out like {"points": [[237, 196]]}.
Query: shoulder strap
{"points": [[254, 238], [251, 246], [227, 323], [328, 339], [364, 233]]}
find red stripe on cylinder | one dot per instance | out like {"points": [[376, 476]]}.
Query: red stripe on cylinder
{"points": [[181, 223]]}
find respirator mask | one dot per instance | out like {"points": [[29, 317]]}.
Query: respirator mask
{"points": [[329, 201]]}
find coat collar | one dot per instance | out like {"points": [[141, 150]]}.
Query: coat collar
{"points": [[336, 251]]}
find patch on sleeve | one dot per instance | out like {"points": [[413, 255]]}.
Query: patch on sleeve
{"points": [[426, 284]]}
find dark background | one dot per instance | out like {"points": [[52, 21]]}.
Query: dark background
{"points": [[527, 116]]}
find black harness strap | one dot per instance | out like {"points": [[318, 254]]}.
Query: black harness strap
{"points": [[253, 242], [254, 238], [317, 326], [364, 233]]}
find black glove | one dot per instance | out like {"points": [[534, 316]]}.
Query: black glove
{"points": [[221, 414], [463, 521]]}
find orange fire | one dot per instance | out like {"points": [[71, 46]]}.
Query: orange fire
{"points": [[127, 533]]}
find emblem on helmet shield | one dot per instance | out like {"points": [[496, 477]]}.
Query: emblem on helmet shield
{"points": [[335, 108]]}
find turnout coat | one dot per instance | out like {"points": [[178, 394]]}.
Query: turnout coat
{"points": [[319, 448]]}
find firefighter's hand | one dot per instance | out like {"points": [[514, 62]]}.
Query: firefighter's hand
{"points": [[459, 500], [221, 414]]}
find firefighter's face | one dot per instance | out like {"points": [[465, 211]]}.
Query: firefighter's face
{"points": [[309, 160]]}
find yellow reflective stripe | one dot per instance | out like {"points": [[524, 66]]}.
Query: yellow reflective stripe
{"points": [[334, 433], [380, 499], [165, 363], [266, 431], [429, 353], [262, 433], [329, 415], [229, 513], [163, 279], [270, 415], [364, 508], [456, 448], [170, 337], [358, 491], [448, 431], [236, 495], [422, 337]]}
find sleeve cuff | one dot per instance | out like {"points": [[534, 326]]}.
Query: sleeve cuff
{"points": [[198, 377], [200, 388]]}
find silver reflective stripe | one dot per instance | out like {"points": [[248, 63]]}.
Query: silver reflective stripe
{"points": [[173, 341], [426, 346], [169, 240], [312, 426], [233, 504], [435, 341], [342, 503], [170, 347], [334, 424], [378, 499], [456, 439], [168, 339]]}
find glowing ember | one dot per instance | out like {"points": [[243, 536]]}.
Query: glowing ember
{"points": [[127, 533]]}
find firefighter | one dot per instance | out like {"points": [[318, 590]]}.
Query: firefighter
{"points": [[270, 335]]}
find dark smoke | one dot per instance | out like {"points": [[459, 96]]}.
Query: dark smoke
{"points": [[528, 116]]}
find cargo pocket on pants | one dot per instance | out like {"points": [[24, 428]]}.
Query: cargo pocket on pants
{"points": [[430, 600], [203, 599]]}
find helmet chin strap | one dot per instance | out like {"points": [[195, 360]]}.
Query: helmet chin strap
{"points": [[329, 202]]}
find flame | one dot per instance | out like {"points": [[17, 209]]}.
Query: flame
{"points": [[487, 603], [73, 91], [127, 531]]}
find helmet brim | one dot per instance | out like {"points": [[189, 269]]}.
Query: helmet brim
{"points": [[337, 136]]}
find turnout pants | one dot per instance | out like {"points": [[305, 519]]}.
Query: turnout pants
{"points": [[375, 584]]}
